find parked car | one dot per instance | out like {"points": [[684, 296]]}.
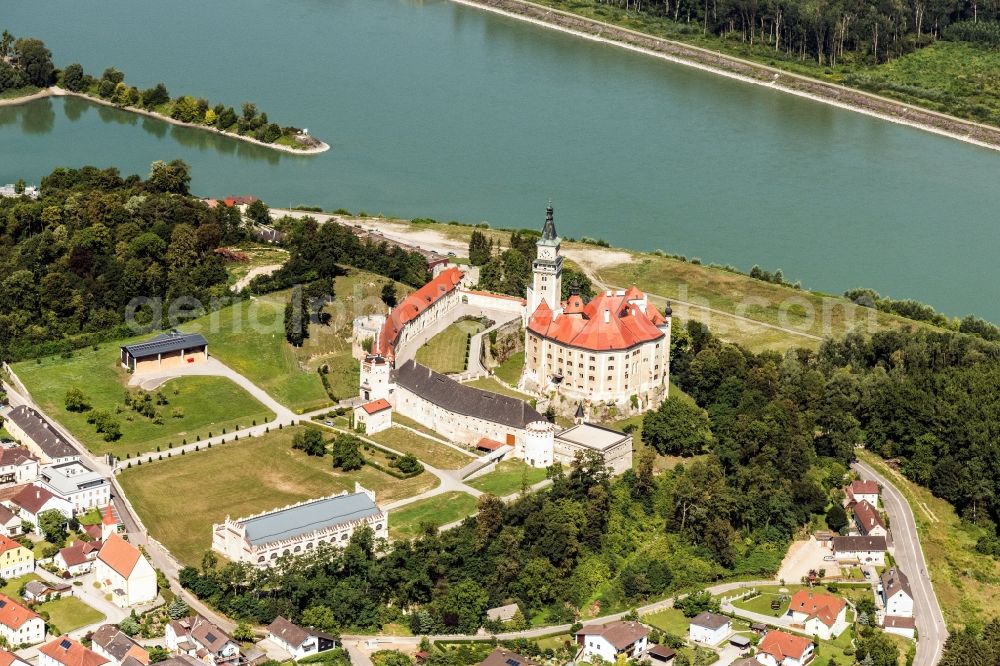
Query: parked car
{"points": [[829, 558]]}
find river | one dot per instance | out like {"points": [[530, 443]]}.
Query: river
{"points": [[440, 110]]}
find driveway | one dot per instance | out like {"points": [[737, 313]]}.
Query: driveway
{"points": [[804, 556], [910, 559]]}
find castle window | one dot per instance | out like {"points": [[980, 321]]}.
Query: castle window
{"points": [[591, 378], [592, 358], [591, 368]]}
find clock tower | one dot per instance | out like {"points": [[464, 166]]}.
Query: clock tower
{"points": [[546, 282]]}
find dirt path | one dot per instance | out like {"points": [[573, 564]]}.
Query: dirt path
{"points": [[254, 272]]}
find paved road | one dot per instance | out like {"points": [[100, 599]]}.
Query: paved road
{"points": [[931, 627]]}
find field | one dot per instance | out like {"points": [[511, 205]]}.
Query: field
{"points": [[965, 582], [508, 478], [405, 522], [239, 479], [669, 620], [433, 453], [399, 419], [259, 255], [493, 386], [206, 403], [445, 352]]}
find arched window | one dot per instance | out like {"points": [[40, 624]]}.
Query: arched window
{"points": [[260, 559], [378, 527], [344, 536], [286, 552], [309, 545], [274, 556], [297, 549]]}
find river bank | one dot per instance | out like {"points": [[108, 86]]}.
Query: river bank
{"points": [[56, 91], [747, 71]]}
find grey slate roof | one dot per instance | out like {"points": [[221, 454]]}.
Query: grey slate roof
{"points": [[448, 394], [114, 641], [893, 581], [41, 433], [858, 543], [165, 343], [288, 631], [298, 520], [711, 621]]}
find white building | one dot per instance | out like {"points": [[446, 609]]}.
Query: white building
{"points": [[614, 348], [10, 523], [614, 446], [778, 648], [709, 628], [17, 465], [611, 639], [376, 378], [859, 549], [896, 595], [33, 431], [300, 528], [862, 491], [32, 501], [901, 626], [298, 641], [374, 416], [820, 615], [197, 637], [19, 625], [78, 558], [76, 483], [124, 573], [11, 659], [116, 646], [417, 312]]}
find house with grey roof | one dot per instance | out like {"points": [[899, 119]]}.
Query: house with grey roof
{"points": [[198, 637], [30, 428], [166, 351], [299, 641], [299, 528], [76, 483]]}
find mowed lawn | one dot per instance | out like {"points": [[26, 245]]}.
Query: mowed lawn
{"points": [[207, 404], [433, 453], [405, 522], [445, 352], [180, 498], [508, 478], [65, 614], [493, 386], [669, 620], [510, 370]]}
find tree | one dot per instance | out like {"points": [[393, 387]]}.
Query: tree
{"points": [[836, 517], [269, 133], [346, 452], [297, 317], [74, 79], [129, 625], [53, 525], [462, 606], [319, 617], [249, 111], [76, 401], [258, 212], [155, 96], [311, 441], [11, 78], [389, 294], [243, 633], [173, 177], [677, 428], [186, 110], [480, 248], [408, 464], [35, 61], [113, 75], [178, 609], [875, 646]]}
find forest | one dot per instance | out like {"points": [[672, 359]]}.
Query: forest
{"points": [[508, 271]]}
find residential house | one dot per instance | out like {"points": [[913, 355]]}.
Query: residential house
{"points": [[196, 637], [504, 657], [32, 501], [18, 624], [860, 549], [115, 645], [609, 640], [76, 483], [65, 651], [123, 572], [821, 615], [375, 416], [896, 594], [901, 626], [40, 590], [30, 428], [862, 491], [709, 628], [780, 649], [15, 559], [17, 465], [868, 520], [298, 641], [10, 522], [78, 558], [502, 613], [11, 659]]}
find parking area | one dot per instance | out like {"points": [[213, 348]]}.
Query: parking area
{"points": [[804, 556]]}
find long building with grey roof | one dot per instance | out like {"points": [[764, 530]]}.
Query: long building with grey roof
{"points": [[33, 431], [300, 528], [164, 352]]}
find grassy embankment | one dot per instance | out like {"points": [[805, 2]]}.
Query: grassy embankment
{"points": [[446, 351], [19, 92], [258, 255], [214, 484], [205, 404], [508, 478], [965, 581], [406, 522], [433, 453], [956, 78]]}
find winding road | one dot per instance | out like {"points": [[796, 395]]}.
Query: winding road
{"points": [[931, 627]]}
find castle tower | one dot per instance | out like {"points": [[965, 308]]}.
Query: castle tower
{"points": [[109, 525], [539, 443], [546, 284], [375, 378]]}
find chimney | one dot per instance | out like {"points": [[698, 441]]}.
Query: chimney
{"points": [[607, 316]]}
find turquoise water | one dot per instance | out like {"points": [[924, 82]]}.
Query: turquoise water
{"points": [[440, 110]]}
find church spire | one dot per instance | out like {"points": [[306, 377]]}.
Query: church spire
{"points": [[549, 230]]}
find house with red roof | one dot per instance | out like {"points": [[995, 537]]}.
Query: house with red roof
{"points": [[20, 625], [124, 573], [868, 520], [778, 648], [608, 349], [65, 651], [15, 559], [32, 501], [821, 615], [862, 491], [11, 659], [374, 416], [78, 558]]}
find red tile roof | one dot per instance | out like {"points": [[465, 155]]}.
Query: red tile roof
{"points": [[779, 645], [6, 543], [79, 552], [109, 516], [823, 606], [376, 406], [610, 321], [859, 487], [620, 634], [488, 444], [868, 517], [32, 498], [15, 455], [69, 652], [412, 306], [120, 555], [13, 614], [8, 658]]}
